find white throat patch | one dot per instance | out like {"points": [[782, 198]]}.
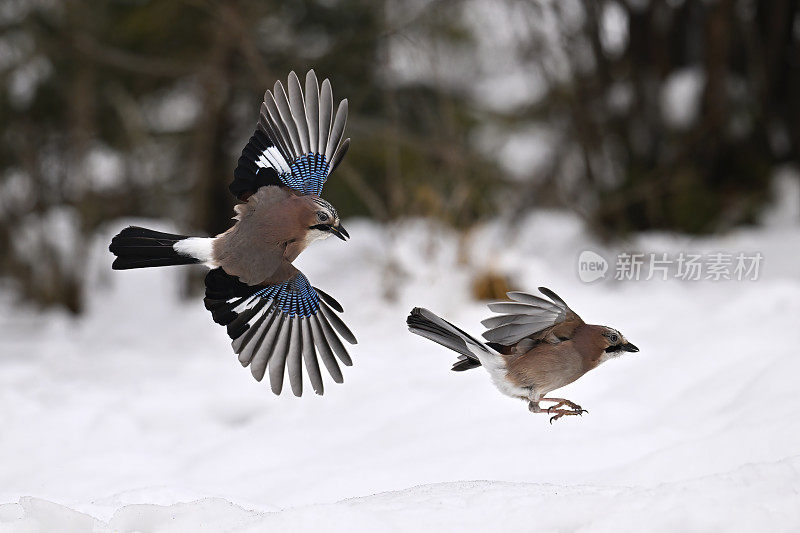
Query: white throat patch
{"points": [[609, 355], [316, 235]]}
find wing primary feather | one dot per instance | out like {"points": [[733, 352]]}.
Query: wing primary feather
{"points": [[310, 357], [325, 111], [337, 323], [502, 320], [525, 298], [333, 341], [240, 325], [513, 333], [273, 133], [255, 336], [221, 310], [263, 350], [324, 350], [277, 362], [273, 117], [553, 296], [526, 316], [294, 364], [298, 109], [514, 308], [242, 340], [339, 155], [312, 110], [330, 300], [285, 114], [336, 130], [255, 343]]}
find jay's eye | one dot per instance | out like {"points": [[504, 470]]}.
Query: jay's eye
{"points": [[323, 217], [613, 338]]}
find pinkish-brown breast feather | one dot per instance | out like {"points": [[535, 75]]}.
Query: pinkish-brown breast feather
{"points": [[546, 367], [551, 365], [253, 249]]}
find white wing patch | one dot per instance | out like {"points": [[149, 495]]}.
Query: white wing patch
{"points": [[272, 158]]}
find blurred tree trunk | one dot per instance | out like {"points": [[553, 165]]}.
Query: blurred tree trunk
{"points": [[737, 62], [210, 163]]}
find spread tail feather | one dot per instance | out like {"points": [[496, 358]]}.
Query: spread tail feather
{"points": [[427, 324], [137, 247]]}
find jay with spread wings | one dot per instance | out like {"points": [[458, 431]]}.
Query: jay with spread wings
{"points": [[277, 320], [533, 347]]}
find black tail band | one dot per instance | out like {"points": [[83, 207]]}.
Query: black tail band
{"points": [[137, 247]]}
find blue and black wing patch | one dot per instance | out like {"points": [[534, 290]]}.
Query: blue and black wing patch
{"points": [[298, 142], [281, 327]]}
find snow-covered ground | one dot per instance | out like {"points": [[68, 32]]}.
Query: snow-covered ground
{"points": [[138, 417]]}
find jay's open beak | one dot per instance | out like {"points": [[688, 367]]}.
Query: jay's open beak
{"points": [[628, 347], [340, 232]]}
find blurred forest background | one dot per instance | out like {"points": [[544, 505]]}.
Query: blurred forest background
{"points": [[636, 114]]}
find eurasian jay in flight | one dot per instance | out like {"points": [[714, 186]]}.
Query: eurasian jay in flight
{"points": [[276, 319], [534, 347]]}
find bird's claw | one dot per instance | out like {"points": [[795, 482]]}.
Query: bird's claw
{"points": [[565, 412], [560, 408]]}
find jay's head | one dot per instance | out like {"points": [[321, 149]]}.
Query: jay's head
{"points": [[613, 343], [322, 220]]}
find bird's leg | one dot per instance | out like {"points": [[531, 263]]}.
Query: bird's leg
{"points": [[533, 407], [563, 401]]}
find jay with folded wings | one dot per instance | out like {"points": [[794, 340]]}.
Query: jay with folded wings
{"points": [[277, 320]]}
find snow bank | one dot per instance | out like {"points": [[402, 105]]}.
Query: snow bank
{"points": [[121, 417], [761, 497]]}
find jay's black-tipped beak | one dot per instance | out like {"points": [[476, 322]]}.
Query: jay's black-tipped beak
{"points": [[337, 230], [340, 232], [628, 347]]}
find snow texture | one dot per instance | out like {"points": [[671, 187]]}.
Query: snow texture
{"points": [[680, 97], [138, 416]]}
